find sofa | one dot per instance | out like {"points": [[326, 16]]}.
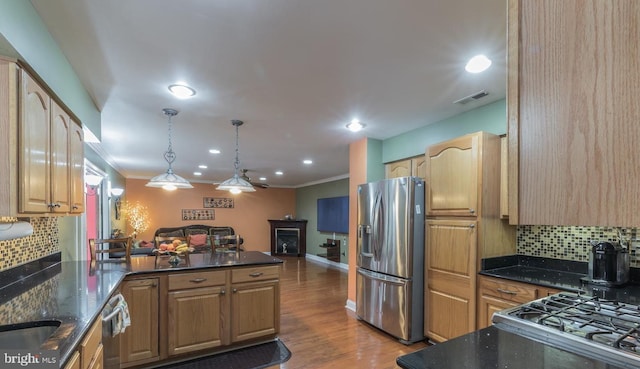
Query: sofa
{"points": [[226, 234]]}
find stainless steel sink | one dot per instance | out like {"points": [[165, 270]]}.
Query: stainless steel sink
{"points": [[27, 336]]}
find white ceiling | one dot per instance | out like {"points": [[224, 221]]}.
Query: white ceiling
{"points": [[295, 71]]}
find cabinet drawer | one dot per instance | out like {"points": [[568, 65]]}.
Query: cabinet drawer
{"points": [[506, 290], [90, 344], [255, 274], [197, 279]]}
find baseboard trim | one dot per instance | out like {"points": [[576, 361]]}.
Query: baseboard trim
{"points": [[322, 260], [351, 305]]}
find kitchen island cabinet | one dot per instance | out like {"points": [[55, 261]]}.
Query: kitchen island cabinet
{"points": [[572, 107], [198, 295], [139, 343], [255, 303]]}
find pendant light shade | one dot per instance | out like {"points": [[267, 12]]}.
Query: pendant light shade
{"points": [[169, 181], [236, 184]]}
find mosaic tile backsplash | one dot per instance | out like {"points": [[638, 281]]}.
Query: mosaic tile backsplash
{"points": [[43, 242], [571, 243]]}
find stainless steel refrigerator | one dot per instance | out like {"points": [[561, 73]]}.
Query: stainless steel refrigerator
{"points": [[390, 256]]}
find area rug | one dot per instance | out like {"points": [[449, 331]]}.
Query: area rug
{"points": [[254, 357]]}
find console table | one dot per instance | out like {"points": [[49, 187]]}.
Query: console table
{"points": [[288, 237]]}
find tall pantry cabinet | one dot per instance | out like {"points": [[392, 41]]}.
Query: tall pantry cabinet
{"points": [[463, 226]]}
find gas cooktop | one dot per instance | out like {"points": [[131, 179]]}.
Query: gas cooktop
{"points": [[587, 325]]}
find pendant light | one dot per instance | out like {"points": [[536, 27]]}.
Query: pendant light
{"points": [[169, 181], [236, 184]]}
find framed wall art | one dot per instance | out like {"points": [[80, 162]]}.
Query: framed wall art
{"points": [[198, 214], [217, 202]]}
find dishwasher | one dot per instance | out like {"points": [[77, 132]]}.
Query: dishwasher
{"points": [[115, 318]]}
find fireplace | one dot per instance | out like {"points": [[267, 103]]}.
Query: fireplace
{"points": [[288, 237]]}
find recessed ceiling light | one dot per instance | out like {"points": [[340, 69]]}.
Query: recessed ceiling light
{"points": [[307, 161], [263, 178], [477, 64], [279, 173], [214, 151], [202, 166], [355, 125], [197, 173], [182, 91]]}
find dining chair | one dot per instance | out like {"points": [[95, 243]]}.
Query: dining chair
{"points": [[115, 248]]}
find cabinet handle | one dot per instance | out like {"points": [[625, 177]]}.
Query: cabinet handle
{"points": [[56, 205], [75, 207], [235, 290], [198, 280], [222, 292], [507, 292], [255, 275], [472, 211], [154, 284], [472, 225]]}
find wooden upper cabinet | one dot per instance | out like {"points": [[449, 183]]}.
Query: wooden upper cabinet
{"points": [[43, 146], [34, 143], [504, 178], [573, 87], [60, 164], [452, 169], [415, 167], [76, 174]]}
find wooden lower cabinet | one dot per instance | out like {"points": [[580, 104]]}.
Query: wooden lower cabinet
{"points": [[495, 294], [255, 303], [196, 315], [178, 313], [139, 343], [73, 362], [450, 288]]}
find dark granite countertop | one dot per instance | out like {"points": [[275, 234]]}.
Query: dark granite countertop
{"points": [[75, 292], [495, 348]]}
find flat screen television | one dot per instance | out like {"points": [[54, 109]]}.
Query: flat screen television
{"points": [[333, 214]]}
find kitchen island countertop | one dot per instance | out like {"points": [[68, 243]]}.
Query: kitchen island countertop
{"points": [[75, 292]]}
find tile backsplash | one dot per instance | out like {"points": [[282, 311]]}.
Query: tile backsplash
{"points": [[43, 242], [570, 243]]}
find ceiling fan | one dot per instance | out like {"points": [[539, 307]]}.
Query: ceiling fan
{"points": [[248, 179]]}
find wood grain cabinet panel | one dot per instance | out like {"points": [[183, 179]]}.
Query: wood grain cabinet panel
{"points": [[195, 319], [255, 310], [43, 146], [139, 343], [573, 112]]}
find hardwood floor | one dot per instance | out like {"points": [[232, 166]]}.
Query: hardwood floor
{"points": [[320, 331]]}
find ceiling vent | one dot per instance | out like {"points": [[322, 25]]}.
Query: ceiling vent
{"points": [[476, 96]]}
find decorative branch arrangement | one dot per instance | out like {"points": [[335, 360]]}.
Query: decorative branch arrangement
{"points": [[137, 216]]}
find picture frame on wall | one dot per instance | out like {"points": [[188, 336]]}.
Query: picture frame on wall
{"points": [[217, 202], [198, 214]]}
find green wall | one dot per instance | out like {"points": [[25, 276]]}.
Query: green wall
{"points": [[306, 208], [375, 164], [24, 31], [489, 118]]}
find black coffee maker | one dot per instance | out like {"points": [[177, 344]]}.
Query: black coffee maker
{"points": [[608, 264]]}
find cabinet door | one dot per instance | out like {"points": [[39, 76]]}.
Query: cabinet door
{"points": [[419, 167], [572, 131], [74, 362], [452, 185], [487, 305], [450, 261], [397, 169], [195, 319], [504, 179], [33, 141], [76, 160], [61, 126], [255, 310], [140, 340]]}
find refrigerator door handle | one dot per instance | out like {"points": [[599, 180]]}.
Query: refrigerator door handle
{"points": [[382, 277], [378, 226]]}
